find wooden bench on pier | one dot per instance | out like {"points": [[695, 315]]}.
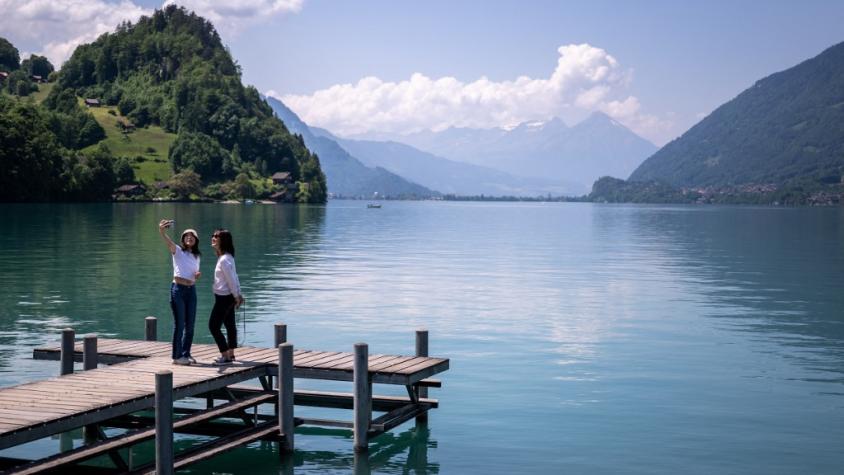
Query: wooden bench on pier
{"points": [[111, 396]]}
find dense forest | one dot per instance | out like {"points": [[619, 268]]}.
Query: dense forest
{"points": [[169, 70]]}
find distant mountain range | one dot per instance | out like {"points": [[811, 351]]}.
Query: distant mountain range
{"points": [[572, 157], [787, 129], [346, 175], [447, 176]]}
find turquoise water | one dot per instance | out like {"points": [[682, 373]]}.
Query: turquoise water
{"points": [[583, 338]]}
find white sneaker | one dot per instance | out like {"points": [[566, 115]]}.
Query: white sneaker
{"points": [[183, 361], [192, 361], [222, 361]]}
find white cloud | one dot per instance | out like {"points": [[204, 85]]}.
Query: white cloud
{"points": [[232, 16], [56, 27], [586, 78]]}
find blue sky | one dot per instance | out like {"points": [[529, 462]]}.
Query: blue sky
{"points": [[656, 66]]}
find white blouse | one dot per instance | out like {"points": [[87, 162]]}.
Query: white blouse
{"points": [[225, 276]]}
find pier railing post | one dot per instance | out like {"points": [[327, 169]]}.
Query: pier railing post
{"points": [[362, 397], [89, 352], [151, 333], [422, 350], [285, 395], [280, 334], [164, 422], [67, 351]]}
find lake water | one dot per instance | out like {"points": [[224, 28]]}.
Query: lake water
{"points": [[583, 338]]}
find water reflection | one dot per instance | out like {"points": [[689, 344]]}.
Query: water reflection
{"points": [[404, 452], [774, 274]]}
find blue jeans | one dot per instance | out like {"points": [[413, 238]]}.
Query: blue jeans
{"points": [[183, 303]]}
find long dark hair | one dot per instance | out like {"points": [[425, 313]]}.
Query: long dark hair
{"points": [[195, 249], [225, 243]]}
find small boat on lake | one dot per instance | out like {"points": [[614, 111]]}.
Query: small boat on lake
{"points": [[373, 205]]}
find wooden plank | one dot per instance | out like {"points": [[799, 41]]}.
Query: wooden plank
{"points": [[313, 356], [346, 361], [394, 368], [131, 438], [389, 362], [312, 421], [216, 447], [325, 361], [117, 403]]}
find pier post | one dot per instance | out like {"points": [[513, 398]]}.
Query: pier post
{"points": [[151, 333], [164, 422], [362, 397], [89, 352], [280, 334], [67, 351], [285, 395], [422, 350]]}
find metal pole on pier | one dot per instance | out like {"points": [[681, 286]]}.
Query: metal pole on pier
{"points": [[164, 422], [362, 397], [422, 350], [285, 395], [67, 351], [151, 333], [89, 352]]}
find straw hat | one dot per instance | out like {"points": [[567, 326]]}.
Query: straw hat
{"points": [[192, 231]]}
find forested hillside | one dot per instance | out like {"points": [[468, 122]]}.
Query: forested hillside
{"points": [[169, 70], [787, 129]]}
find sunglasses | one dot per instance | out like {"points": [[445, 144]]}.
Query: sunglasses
{"points": [[215, 235]]}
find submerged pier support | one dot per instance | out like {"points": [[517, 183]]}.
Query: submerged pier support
{"points": [[362, 397], [422, 350], [285, 395], [164, 423]]}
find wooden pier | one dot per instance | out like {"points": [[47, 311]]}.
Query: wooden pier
{"points": [[125, 379]]}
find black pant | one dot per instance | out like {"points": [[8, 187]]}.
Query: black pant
{"points": [[223, 314]]}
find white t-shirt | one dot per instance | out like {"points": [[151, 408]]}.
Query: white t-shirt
{"points": [[225, 276], [185, 264]]}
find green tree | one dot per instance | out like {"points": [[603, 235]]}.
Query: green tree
{"points": [[94, 176], [18, 83], [30, 156], [9, 56], [123, 171], [185, 184], [200, 153], [243, 187], [38, 66]]}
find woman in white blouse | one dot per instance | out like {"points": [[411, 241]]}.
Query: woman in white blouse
{"points": [[227, 297], [182, 291]]}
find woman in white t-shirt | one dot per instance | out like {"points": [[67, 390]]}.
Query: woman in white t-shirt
{"points": [[183, 289], [227, 297]]}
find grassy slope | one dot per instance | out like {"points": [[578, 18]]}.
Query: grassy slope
{"points": [[150, 166], [147, 148], [43, 92]]}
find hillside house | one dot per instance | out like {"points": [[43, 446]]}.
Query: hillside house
{"points": [[92, 102], [282, 178], [126, 126], [134, 189]]}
